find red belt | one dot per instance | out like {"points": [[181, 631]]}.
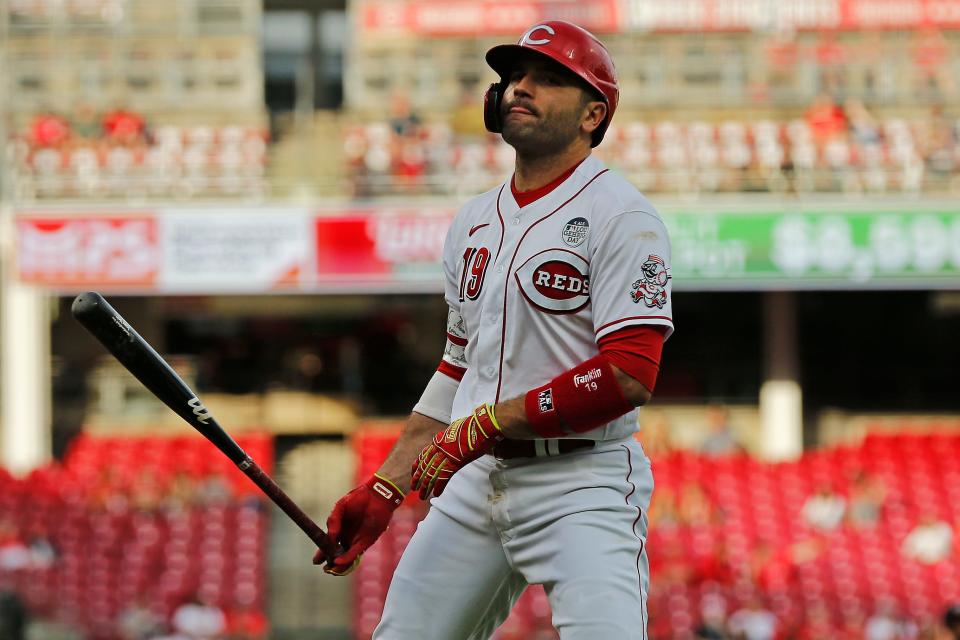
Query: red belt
{"points": [[509, 449]]}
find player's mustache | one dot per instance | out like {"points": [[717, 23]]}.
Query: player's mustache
{"points": [[523, 104]]}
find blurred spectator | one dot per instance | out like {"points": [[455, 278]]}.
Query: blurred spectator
{"points": [[13, 616], [854, 621], [42, 552], [403, 120], [147, 492], [883, 624], [824, 509], [817, 624], [49, 130], [213, 490], [137, 621], [654, 434], [663, 508], [199, 619], [862, 125], [721, 439], [247, 624], [694, 505], [753, 621], [940, 147], [86, 123], [951, 621], [14, 552], [930, 541], [713, 618], [712, 565], [467, 118], [774, 567], [825, 119], [124, 126], [182, 493], [867, 494]]}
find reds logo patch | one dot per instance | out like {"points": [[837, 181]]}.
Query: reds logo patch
{"points": [[652, 287], [555, 281]]}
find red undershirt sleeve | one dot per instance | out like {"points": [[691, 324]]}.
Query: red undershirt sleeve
{"points": [[635, 350]]}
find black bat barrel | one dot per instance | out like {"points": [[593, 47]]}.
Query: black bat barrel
{"points": [[140, 359]]}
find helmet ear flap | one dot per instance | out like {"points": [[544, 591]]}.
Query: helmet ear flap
{"points": [[491, 107]]}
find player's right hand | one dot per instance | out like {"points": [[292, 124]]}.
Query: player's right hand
{"points": [[357, 520], [462, 442]]}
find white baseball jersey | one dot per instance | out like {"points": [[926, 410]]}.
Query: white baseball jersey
{"points": [[531, 290], [536, 287]]}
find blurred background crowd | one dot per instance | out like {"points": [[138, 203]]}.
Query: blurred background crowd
{"points": [[262, 189]]}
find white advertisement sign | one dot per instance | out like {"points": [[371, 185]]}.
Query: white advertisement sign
{"points": [[264, 250]]}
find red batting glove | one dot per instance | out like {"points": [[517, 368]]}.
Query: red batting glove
{"points": [[453, 448], [357, 520]]}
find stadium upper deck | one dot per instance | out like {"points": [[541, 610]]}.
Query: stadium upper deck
{"points": [[832, 96]]}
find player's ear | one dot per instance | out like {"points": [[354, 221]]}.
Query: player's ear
{"points": [[594, 113]]}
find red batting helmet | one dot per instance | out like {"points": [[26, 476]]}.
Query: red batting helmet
{"points": [[567, 44]]}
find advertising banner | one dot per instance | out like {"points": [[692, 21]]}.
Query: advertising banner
{"points": [[816, 250], [399, 250], [776, 15], [490, 17], [117, 251], [385, 246], [212, 251]]}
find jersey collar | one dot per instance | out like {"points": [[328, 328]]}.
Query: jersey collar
{"points": [[523, 198]]}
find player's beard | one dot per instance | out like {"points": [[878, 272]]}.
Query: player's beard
{"points": [[542, 136]]}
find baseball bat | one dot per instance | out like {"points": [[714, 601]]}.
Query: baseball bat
{"points": [[140, 359]]}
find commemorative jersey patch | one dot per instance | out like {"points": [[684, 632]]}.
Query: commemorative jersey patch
{"points": [[555, 281], [651, 287], [575, 231]]}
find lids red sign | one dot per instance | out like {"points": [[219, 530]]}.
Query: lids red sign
{"points": [[369, 245], [87, 251]]}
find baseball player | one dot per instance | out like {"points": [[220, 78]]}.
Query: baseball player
{"points": [[558, 283]]}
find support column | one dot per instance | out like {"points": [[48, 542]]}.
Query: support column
{"points": [[781, 398], [24, 367]]}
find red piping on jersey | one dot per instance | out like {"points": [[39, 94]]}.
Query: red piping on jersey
{"points": [[502, 225], [503, 322], [626, 500], [610, 324]]}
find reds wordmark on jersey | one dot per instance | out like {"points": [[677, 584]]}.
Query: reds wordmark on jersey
{"points": [[537, 286]]}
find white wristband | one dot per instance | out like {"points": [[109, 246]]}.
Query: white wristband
{"points": [[437, 399]]}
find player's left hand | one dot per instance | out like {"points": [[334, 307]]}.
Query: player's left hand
{"points": [[453, 448]]}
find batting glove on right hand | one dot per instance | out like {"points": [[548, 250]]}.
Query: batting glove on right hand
{"points": [[455, 447], [357, 521]]}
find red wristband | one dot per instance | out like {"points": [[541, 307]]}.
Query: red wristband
{"points": [[578, 400]]}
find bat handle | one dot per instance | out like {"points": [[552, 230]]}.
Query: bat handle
{"points": [[288, 506]]}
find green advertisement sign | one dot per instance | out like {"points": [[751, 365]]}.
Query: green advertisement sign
{"points": [[815, 250]]}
